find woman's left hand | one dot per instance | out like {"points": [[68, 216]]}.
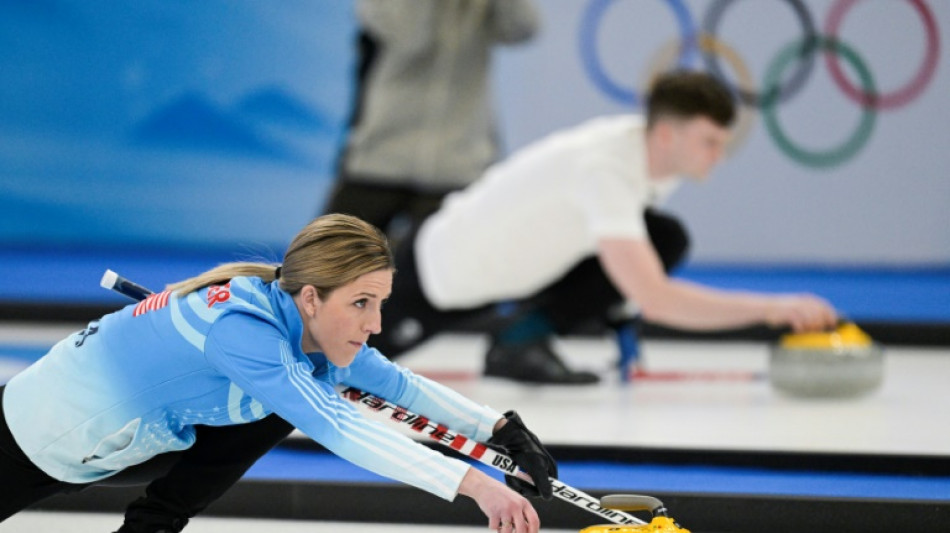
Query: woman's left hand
{"points": [[524, 447]]}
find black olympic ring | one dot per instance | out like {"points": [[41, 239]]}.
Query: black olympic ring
{"points": [[805, 56]]}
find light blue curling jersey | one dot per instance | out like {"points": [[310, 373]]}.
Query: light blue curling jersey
{"points": [[135, 383]]}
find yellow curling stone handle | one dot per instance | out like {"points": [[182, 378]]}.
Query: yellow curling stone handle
{"points": [[659, 524], [847, 335]]}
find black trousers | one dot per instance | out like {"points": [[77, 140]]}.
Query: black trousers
{"points": [[581, 297], [180, 484], [21, 482], [202, 474], [391, 208]]}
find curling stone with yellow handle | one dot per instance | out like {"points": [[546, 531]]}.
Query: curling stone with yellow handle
{"points": [[637, 502], [842, 363]]}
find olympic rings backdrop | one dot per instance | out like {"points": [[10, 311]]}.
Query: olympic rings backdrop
{"points": [[206, 124], [841, 153]]}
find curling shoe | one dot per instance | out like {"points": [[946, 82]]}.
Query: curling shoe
{"points": [[533, 362], [175, 525], [154, 531]]}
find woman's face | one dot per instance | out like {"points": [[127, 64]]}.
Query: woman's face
{"points": [[341, 324]]}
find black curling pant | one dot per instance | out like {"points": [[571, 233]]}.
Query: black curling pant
{"points": [[586, 295], [583, 296], [21, 482], [203, 473], [181, 484]]}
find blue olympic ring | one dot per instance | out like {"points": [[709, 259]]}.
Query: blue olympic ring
{"points": [[590, 57]]}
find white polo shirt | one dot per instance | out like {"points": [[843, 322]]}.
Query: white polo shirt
{"points": [[534, 216]]}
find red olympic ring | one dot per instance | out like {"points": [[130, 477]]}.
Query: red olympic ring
{"points": [[902, 95]]}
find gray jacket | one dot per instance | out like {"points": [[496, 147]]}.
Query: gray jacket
{"points": [[426, 119]]}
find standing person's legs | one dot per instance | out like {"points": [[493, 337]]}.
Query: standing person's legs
{"points": [[422, 205], [376, 204], [395, 209], [204, 472], [418, 207]]}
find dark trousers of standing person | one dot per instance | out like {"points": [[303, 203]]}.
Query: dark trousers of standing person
{"points": [[181, 484], [381, 201], [395, 209], [583, 295]]}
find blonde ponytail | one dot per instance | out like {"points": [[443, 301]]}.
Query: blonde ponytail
{"points": [[328, 253], [222, 274]]}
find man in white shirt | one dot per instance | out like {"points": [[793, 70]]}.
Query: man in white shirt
{"points": [[566, 230]]}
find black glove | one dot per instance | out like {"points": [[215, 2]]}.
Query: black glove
{"points": [[525, 448]]}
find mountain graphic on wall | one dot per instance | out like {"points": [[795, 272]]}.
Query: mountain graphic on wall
{"points": [[193, 122], [274, 105]]}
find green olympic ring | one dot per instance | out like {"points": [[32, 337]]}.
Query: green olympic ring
{"points": [[851, 146]]}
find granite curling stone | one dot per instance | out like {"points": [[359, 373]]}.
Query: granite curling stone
{"points": [[842, 363]]}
